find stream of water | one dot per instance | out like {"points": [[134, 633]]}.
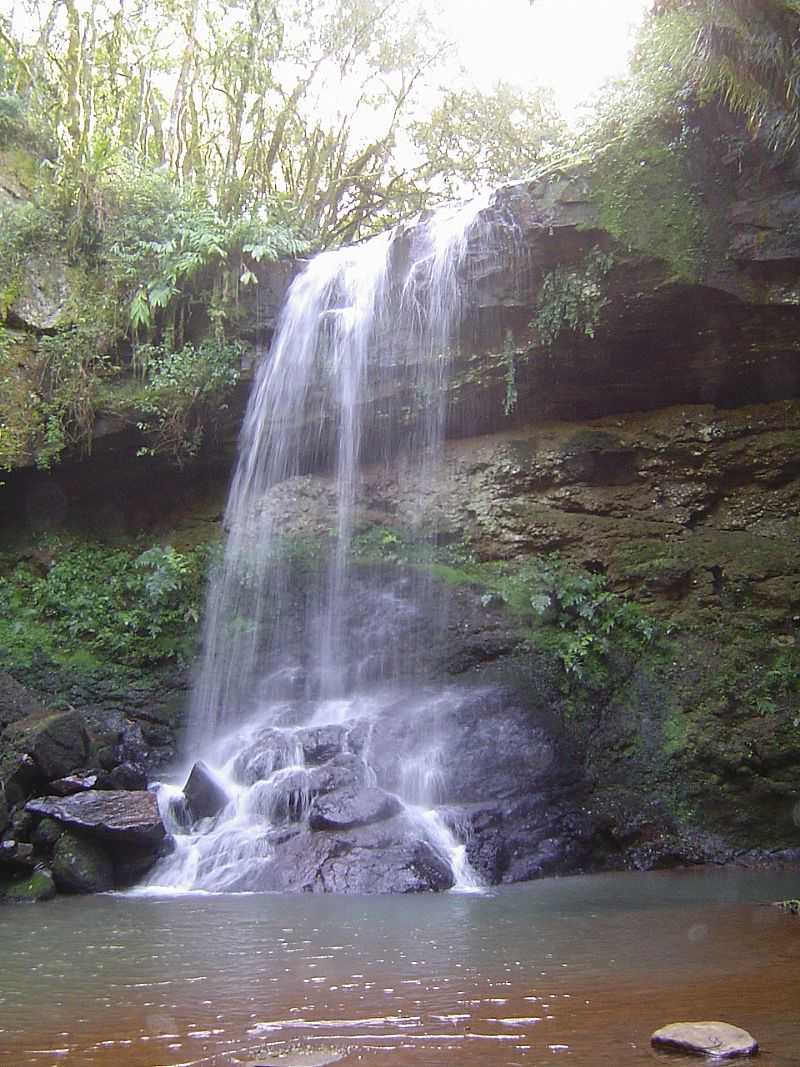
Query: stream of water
{"points": [[579, 970], [284, 655]]}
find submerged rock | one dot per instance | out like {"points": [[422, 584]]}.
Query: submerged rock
{"points": [[112, 815], [205, 794], [721, 1040]]}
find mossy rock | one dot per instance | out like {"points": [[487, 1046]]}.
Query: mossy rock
{"points": [[46, 835], [81, 865], [38, 886]]}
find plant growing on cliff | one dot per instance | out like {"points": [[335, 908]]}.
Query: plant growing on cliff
{"points": [[744, 52], [123, 606], [571, 299], [182, 391]]}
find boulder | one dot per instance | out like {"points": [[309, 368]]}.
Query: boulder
{"points": [[17, 854], [46, 834], [270, 750], [720, 1040], [38, 886], [116, 816], [387, 857], [125, 775], [73, 783], [345, 809], [205, 794], [322, 743], [57, 743], [344, 771], [81, 865], [3, 808]]}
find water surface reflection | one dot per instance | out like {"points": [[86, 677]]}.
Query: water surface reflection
{"points": [[579, 969]]}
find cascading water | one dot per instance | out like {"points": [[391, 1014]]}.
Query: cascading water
{"points": [[308, 670]]}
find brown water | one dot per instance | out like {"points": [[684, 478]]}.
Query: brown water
{"points": [[579, 970]]}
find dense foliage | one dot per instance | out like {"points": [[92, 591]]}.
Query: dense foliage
{"points": [[97, 603]]}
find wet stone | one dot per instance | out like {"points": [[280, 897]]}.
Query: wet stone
{"points": [[81, 865], [114, 815], [720, 1040], [73, 783], [348, 808], [205, 794], [321, 743]]}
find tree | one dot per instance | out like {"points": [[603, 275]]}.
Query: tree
{"points": [[474, 139], [747, 52]]}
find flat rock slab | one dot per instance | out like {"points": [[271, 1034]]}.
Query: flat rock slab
{"points": [[720, 1040], [122, 816]]}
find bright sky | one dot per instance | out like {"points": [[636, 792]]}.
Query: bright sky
{"points": [[573, 45]]}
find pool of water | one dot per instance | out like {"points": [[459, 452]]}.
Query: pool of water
{"points": [[579, 970]]}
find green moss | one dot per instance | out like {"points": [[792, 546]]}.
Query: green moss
{"points": [[39, 886], [676, 729], [649, 200]]}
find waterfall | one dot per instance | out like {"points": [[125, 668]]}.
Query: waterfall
{"points": [[284, 662]]}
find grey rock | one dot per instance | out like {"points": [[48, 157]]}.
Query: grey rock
{"points": [[322, 743], [42, 301], [205, 794], [720, 1040], [344, 809], [126, 775], [46, 834], [116, 816], [57, 742], [73, 783], [18, 854], [386, 857], [81, 865]]}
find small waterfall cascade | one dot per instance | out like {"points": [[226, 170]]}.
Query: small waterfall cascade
{"points": [[306, 710]]}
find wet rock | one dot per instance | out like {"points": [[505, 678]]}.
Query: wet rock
{"points": [[345, 809], [386, 857], [322, 743], [21, 825], [117, 816], [81, 865], [345, 771], [132, 863], [73, 783], [18, 854], [46, 834], [38, 886], [205, 794], [269, 751], [720, 1040], [131, 776]]}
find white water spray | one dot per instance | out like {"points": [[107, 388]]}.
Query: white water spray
{"points": [[377, 319]]}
